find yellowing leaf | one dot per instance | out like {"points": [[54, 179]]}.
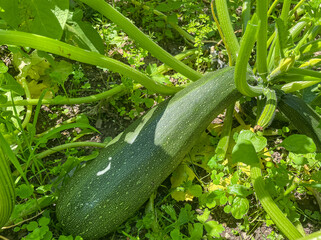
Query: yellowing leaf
{"points": [[245, 168], [212, 187], [37, 88], [182, 174]]}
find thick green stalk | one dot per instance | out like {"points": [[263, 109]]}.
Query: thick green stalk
{"points": [[312, 236], [246, 13], [143, 40], [60, 48], [285, 11], [230, 59], [280, 220], [227, 28], [247, 44], [69, 145], [267, 114], [305, 72], [261, 48], [164, 68], [7, 190]]}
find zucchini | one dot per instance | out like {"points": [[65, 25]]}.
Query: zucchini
{"points": [[302, 116], [7, 193], [111, 188]]}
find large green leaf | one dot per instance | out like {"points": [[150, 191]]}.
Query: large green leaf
{"points": [[82, 34], [43, 17], [298, 143], [244, 151]]}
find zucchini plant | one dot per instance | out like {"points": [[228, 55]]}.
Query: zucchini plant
{"points": [[105, 192], [7, 191]]}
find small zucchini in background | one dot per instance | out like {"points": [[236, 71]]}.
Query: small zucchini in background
{"points": [[7, 190], [302, 116], [111, 188]]}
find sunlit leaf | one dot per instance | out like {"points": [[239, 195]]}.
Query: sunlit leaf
{"points": [[213, 228], [239, 190], [298, 143], [240, 207], [244, 152], [204, 217], [44, 17], [182, 174], [259, 142]]}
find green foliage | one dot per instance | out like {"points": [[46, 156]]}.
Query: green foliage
{"points": [[47, 18], [218, 184]]}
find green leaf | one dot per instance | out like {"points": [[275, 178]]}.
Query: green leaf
{"points": [[61, 71], [9, 8], [175, 234], [240, 206], [170, 211], [244, 151], [24, 191], [170, 6], [196, 190], [227, 208], [3, 67], [259, 142], [298, 143], [239, 190], [213, 228], [298, 159], [197, 232], [32, 226], [185, 215], [82, 34], [44, 221], [8, 83], [203, 218], [44, 17]]}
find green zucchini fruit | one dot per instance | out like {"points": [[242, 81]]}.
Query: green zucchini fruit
{"points": [[7, 193], [302, 116], [111, 188]]}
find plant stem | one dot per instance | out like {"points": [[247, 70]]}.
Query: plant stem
{"points": [[69, 145], [143, 40], [246, 13], [226, 25], [272, 7], [164, 68], [29, 107], [121, 89], [74, 53], [280, 220], [261, 54], [285, 11], [230, 59], [247, 44], [305, 72]]}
